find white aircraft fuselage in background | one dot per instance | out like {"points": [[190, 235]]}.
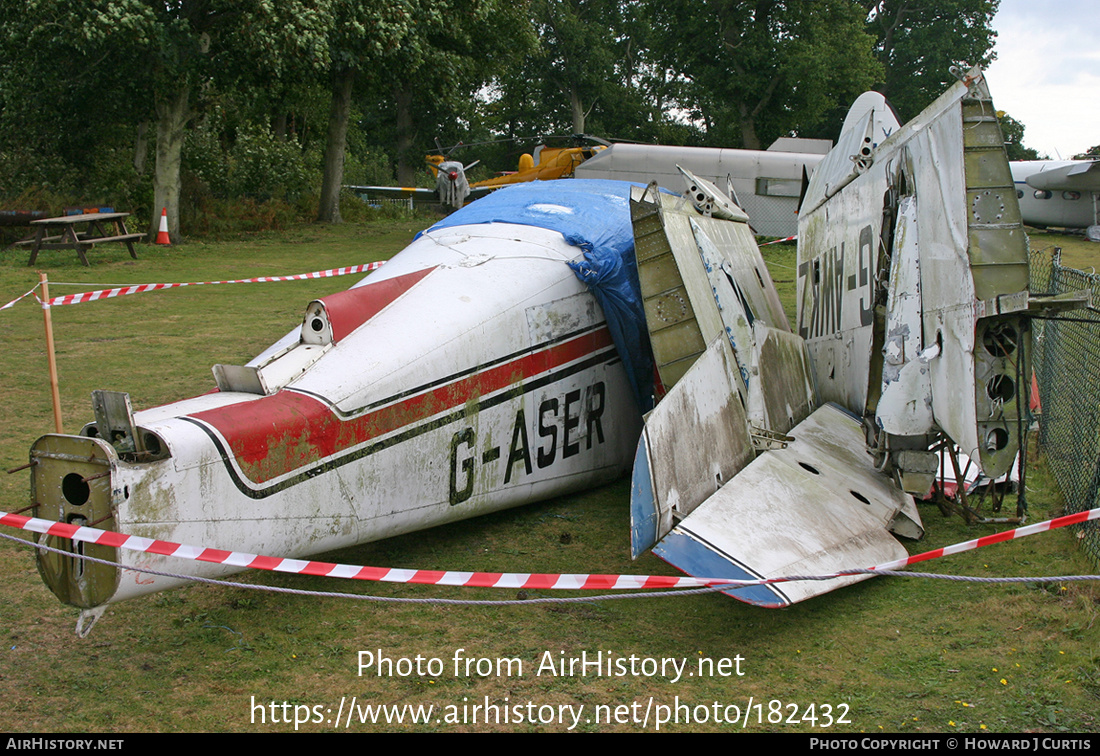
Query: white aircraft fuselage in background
{"points": [[1061, 193], [768, 183]]}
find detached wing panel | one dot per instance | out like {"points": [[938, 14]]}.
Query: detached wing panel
{"points": [[695, 440], [816, 507]]}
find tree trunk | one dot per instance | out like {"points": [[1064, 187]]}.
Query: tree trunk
{"points": [[172, 117], [141, 147], [335, 147], [406, 137], [576, 110], [749, 139], [278, 126]]}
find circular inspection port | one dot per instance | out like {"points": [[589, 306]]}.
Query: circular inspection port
{"points": [[74, 489], [1001, 388], [317, 325], [1000, 340], [809, 468], [860, 497], [996, 439]]}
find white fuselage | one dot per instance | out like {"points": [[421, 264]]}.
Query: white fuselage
{"points": [[489, 381], [1066, 207], [768, 183]]}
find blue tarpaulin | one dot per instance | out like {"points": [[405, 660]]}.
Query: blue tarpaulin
{"points": [[593, 215]]}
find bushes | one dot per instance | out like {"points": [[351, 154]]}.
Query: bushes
{"points": [[104, 177], [250, 161], [265, 167], [218, 218], [245, 179], [238, 175]]}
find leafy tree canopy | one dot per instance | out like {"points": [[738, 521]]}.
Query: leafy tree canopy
{"points": [[918, 42], [754, 71], [1013, 132]]}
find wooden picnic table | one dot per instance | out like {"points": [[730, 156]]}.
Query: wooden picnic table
{"points": [[101, 228]]}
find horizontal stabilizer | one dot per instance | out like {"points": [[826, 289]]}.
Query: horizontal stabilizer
{"points": [[816, 507], [416, 193], [394, 192]]}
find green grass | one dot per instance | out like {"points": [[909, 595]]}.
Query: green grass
{"points": [[904, 655], [1077, 252]]}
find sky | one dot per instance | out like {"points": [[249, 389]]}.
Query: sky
{"points": [[1047, 72]]}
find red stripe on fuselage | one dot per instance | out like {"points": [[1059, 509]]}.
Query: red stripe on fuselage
{"points": [[347, 310], [281, 433]]}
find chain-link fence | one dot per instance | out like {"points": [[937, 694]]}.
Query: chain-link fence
{"points": [[1066, 359]]}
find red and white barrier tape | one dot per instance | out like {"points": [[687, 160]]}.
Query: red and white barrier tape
{"points": [[780, 241], [13, 302], [91, 296], [353, 572], [121, 291], [512, 580], [1007, 535]]}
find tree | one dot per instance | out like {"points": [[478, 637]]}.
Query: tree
{"points": [[1013, 132], [361, 37], [588, 72], [456, 48], [918, 41], [757, 70], [577, 52], [417, 61], [191, 42], [169, 53], [65, 113]]}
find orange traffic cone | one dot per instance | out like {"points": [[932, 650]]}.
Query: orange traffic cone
{"points": [[162, 232]]}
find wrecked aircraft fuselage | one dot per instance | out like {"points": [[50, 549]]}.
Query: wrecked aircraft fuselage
{"points": [[473, 372]]}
